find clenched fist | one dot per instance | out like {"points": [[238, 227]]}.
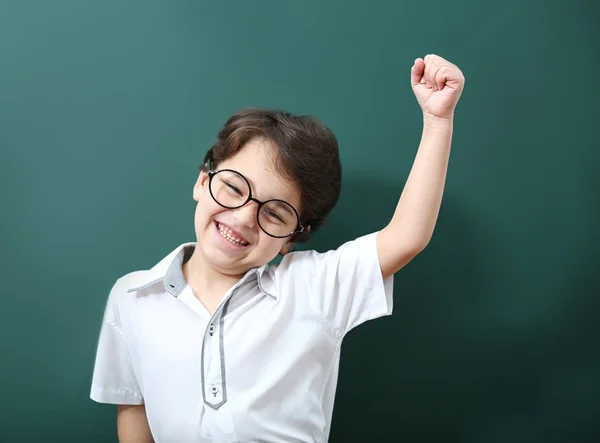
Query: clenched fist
{"points": [[437, 84]]}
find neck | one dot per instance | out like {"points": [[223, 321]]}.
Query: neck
{"points": [[208, 284]]}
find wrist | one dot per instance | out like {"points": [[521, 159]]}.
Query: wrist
{"points": [[436, 127], [437, 122]]}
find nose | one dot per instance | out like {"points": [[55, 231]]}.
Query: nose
{"points": [[246, 215]]}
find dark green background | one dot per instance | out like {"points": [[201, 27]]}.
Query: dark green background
{"points": [[106, 109]]}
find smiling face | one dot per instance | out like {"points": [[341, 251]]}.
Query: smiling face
{"points": [[230, 241]]}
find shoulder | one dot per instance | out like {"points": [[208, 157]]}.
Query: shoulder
{"points": [[307, 263], [126, 282], [355, 247], [125, 287], [120, 292]]}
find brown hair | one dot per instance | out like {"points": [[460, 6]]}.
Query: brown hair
{"points": [[307, 155]]}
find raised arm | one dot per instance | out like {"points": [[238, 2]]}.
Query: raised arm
{"points": [[437, 85]]}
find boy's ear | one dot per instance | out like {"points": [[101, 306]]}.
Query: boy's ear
{"points": [[289, 245], [200, 185]]}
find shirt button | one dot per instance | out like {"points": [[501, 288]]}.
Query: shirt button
{"points": [[211, 329], [214, 389]]}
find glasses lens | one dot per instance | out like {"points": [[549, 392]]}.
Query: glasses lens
{"points": [[229, 189], [278, 218]]}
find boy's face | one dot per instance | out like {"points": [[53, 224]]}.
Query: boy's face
{"points": [[218, 229]]}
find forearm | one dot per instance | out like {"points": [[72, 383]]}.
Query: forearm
{"points": [[417, 211], [437, 85]]}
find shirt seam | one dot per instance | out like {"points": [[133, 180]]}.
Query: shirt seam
{"points": [[121, 335], [121, 391], [333, 330], [335, 354]]}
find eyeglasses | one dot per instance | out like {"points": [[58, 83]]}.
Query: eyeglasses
{"points": [[230, 189]]}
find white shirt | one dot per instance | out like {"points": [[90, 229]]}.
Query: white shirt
{"points": [[263, 367]]}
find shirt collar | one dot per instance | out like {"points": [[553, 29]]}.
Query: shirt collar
{"points": [[169, 272]]}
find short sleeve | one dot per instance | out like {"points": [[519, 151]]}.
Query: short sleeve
{"points": [[114, 380], [346, 284]]}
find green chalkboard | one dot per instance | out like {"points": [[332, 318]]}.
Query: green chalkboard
{"points": [[107, 108]]}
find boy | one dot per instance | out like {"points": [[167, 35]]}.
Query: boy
{"points": [[214, 345]]}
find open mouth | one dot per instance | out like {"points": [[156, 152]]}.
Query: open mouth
{"points": [[233, 237]]}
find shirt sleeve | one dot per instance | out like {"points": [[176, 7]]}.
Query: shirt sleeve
{"points": [[114, 380], [346, 284]]}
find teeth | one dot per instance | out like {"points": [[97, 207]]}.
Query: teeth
{"points": [[229, 235]]}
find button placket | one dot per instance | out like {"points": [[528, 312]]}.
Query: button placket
{"points": [[213, 355], [213, 364], [214, 393]]}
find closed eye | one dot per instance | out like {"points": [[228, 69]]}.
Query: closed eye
{"points": [[275, 216], [233, 188]]}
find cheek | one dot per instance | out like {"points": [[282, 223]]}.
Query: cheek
{"points": [[206, 209], [270, 246]]}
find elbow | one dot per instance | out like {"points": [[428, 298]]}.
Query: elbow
{"points": [[412, 251], [396, 251], [415, 246], [401, 258], [420, 246]]}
